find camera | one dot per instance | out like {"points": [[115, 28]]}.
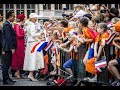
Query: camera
{"points": [[103, 11]]}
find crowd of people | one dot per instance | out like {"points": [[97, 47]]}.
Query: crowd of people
{"points": [[25, 45]]}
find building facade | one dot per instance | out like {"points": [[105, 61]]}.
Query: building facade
{"points": [[44, 10]]}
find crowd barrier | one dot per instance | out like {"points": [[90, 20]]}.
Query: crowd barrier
{"points": [[103, 77]]}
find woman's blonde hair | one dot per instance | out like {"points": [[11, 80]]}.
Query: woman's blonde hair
{"points": [[115, 19], [72, 24]]}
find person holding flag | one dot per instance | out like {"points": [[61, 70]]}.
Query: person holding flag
{"points": [[33, 59]]}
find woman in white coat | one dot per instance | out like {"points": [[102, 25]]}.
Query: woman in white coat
{"points": [[33, 61]]}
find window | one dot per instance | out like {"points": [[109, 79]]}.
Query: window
{"points": [[20, 9], [9, 6], [58, 6], [28, 13], [46, 6], [22, 6], [30, 9], [67, 5], [20, 12], [1, 12], [30, 6], [71, 7], [116, 6], [9, 10], [1, 6], [18, 6], [109, 6]]}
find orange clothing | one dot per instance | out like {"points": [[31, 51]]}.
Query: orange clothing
{"points": [[74, 54], [58, 60], [103, 36], [90, 65], [89, 34], [117, 26], [66, 30], [46, 59], [85, 33]]}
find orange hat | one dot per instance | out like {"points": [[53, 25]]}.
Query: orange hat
{"points": [[117, 26]]}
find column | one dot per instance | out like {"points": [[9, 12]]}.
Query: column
{"points": [[75, 5], [25, 9], [112, 5], [36, 8], [52, 10], [41, 9], [15, 10], [63, 5], [4, 13]]}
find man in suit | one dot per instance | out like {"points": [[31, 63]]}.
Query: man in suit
{"points": [[9, 45]]}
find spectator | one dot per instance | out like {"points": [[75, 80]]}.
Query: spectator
{"points": [[114, 66], [113, 13], [79, 12]]}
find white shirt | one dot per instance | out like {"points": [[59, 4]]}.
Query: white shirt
{"points": [[79, 14]]}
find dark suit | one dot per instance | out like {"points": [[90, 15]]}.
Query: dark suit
{"points": [[9, 43], [0, 41]]}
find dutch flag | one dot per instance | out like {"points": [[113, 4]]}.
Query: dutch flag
{"points": [[39, 46], [55, 50], [98, 70], [100, 64], [49, 45]]}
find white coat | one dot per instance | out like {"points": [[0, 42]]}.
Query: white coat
{"points": [[33, 61]]}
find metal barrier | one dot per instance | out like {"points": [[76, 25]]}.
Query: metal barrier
{"points": [[102, 77], [81, 67]]}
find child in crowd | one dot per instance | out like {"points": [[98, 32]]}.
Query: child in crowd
{"points": [[100, 43]]}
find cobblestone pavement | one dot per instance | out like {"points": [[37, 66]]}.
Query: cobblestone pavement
{"points": [[23, 82]]}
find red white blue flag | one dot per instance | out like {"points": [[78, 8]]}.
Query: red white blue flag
{"points": [[55, 50], [100, 64], [39, 46], [49, 45], [112, 36]]}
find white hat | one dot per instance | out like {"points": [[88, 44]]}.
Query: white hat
{"points": [[33, 15], [80, 14]]}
